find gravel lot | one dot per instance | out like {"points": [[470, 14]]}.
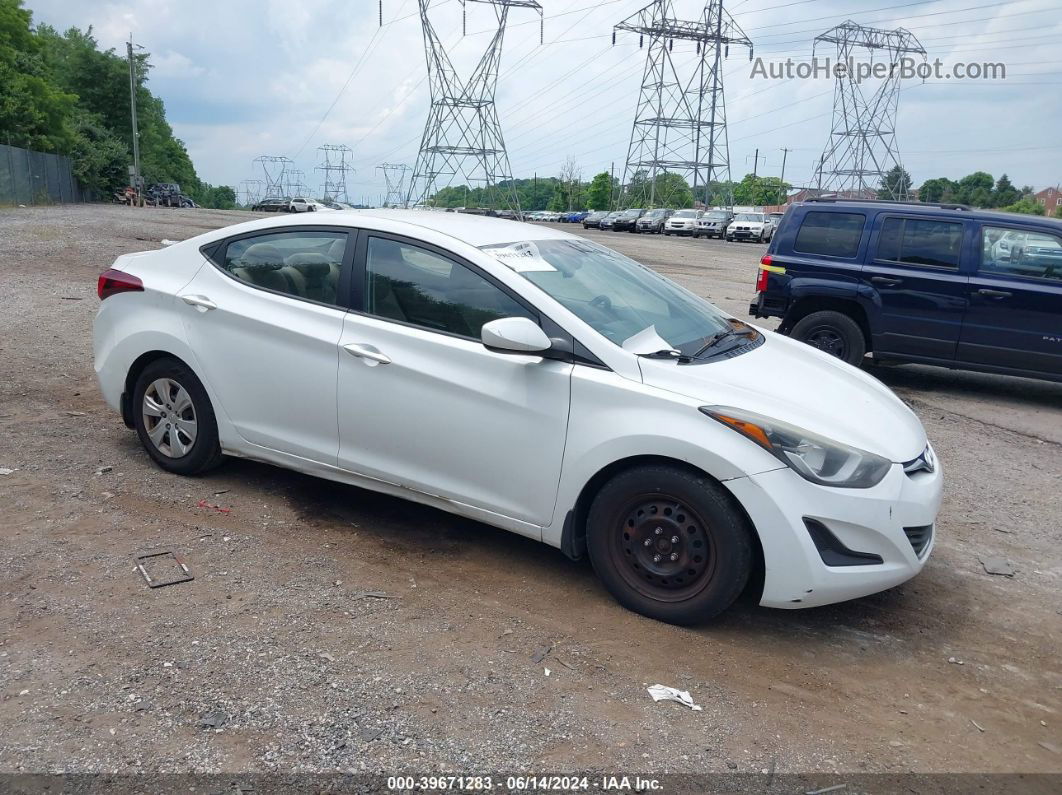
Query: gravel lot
{"points": [[274, 659]]}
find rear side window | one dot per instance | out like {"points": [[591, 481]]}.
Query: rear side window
{"points": [[1013, 252], [830, 234], [300, 264], [914, 241]]}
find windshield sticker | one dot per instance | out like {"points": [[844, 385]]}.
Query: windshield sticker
{"points": [[522, 257]]}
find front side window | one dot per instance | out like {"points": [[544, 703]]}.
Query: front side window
{"points": [[300, 264], [618, 297], [412, 285], [830, 234], [1013, 252], [914, 241]]}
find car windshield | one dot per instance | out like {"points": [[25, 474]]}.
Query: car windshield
{"points": [[686, 214], [749, 217], [655, 213], [632, 213], [716, 216], [618, 297]]}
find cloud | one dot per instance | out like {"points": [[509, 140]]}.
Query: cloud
{"points": [[245, 77]]}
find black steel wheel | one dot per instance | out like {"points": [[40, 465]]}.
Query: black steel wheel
{"points": [[669, 543], [834, 333]]}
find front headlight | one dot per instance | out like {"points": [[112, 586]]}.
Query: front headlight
{"points": [[813, 457]]}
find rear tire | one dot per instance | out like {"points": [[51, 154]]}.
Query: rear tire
{"points": [[174, 418], [834, 333], [668, 543]]}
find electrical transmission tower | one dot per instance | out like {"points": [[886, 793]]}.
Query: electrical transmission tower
{"points": [[395, 175], [252, 191], [294, 182], [463, 134], [273, 168], [862, 145], [335, 167], [680, 124]]}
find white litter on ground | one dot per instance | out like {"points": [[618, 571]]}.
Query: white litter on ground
{"points": [[665, 693], [167, 242]]}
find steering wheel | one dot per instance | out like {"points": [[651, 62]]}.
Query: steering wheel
{"points": [[602, 301]]}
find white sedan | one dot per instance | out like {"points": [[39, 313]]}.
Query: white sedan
{"points": [[533, 380]]}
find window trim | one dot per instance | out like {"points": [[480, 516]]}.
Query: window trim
{"points": [[358, 275], [1011, 226], [892, 263], [215, 254], [859, 246]]}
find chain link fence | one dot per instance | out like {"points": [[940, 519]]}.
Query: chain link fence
{"points": [[28, 177]]}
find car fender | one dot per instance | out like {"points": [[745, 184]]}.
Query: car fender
{"points": [[613, 419], [121, 338]]}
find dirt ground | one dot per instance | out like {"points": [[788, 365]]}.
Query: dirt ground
{"points": [[275, 659]]}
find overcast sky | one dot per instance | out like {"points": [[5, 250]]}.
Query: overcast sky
{"points": [[242, 78]]}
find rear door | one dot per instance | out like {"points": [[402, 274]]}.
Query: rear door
{"points": [[913, 271], [1015, 315], [264, 320]]}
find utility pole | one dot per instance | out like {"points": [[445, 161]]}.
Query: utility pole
{"points": [[132, 110], [781, 180], [756, 162]]}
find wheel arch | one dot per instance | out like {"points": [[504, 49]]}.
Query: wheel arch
{"points": [[807, 305], [573, 532]]}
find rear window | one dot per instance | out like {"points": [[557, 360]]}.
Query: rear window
{"points": [[830, 234], [914, 241]]}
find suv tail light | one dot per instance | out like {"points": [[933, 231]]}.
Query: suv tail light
{"points": [[112, 282], [762, 276]]}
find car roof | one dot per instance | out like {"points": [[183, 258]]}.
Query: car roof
{"points": [[955, 212], [476, 230]]}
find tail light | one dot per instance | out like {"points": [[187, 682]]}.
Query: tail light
{"points": [[113, 282], [763, 275]]}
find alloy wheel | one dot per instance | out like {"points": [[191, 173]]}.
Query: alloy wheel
{"points": [[169, 417]]}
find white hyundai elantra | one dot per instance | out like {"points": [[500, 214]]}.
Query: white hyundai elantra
{"points": [[532, 380]]}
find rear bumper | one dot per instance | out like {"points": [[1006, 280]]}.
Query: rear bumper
{"points": [[865, 520]]}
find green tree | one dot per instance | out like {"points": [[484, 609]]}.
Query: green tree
{"points": [[975, 189], [671, 190], [896, 184], [1026, 207], [758, 191], [935, 190], [599, 194], [1005, 194]]}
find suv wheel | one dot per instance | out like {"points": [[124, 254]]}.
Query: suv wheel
{"points": [[667, 543], [834, 333]]}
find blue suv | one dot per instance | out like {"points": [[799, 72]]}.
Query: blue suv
{"points": [[932, 283]]}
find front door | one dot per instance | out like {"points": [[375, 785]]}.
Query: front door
{"points": [[914, 270], [1015, 315], [423, 404], [264, 321]]}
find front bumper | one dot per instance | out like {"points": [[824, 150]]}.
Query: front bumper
{"points": [[745, 234], [866, 520], [680, 230]]}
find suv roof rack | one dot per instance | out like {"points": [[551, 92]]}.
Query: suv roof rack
{"points": [[912, 202]]}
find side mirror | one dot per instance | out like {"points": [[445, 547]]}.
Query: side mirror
{"points": [[514, 335]]}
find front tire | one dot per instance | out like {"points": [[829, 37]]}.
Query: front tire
{"points": [[834, 333], [174, 418], [667, 543]]}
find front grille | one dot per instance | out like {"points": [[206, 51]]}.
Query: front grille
{"points": [[919, 537]]}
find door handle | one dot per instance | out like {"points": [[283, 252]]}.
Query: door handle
{"points": [[367, 352], [885, 281], [200, 302], [994, 293]]}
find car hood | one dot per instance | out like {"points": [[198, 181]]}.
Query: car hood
{"points": [[790, 381]]}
